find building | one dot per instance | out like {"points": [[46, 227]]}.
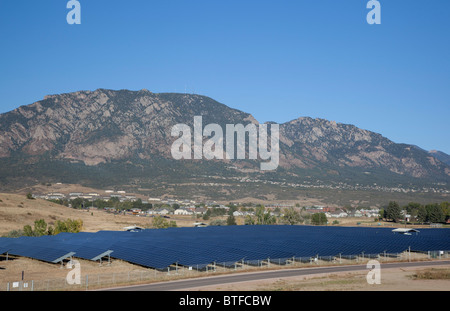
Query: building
{"points": [[337, 214], [182, 211], [159, 211], [356, 213], [133, 228], [200, 224], [200, 210]]}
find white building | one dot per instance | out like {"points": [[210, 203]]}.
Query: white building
{"points": [[161, 211], [336, 214], [183, 211]]}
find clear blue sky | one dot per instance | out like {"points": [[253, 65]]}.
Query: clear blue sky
{"points": [[277, 60]]}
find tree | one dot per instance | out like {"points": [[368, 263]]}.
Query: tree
{"points": [[218, 222], [411, 207], [231, 220], [446, 209], [393, 211], [30, 196], [27, 230], [40, 227], [435, 213], [264, 217], [77, 202], [232, 209], [382, 213], [249, 220], [160, 222], [15, 234], [207, 214], [422, 214], [319, 219], [291, 216], [69, 225]]}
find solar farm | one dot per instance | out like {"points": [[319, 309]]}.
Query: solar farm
{"points": [[196, 248]]}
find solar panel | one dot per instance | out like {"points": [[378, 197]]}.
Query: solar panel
{"points": [[226, 245]]}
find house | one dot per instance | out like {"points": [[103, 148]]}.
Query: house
{"points": [[200, 210], [162, 211], [238, 213], [182, 211], [55, 196], [154, 199], [356, 213], [314, 210], [371, 212], [159, 211], [339, 214]]}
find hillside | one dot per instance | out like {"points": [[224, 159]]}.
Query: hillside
{"points": [[17, 211], [107, 138], [441, 156]]}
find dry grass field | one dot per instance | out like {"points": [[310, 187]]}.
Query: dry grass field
{"points": [[16, 211]]}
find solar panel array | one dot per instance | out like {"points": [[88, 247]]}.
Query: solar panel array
{"points": [[226, 245]]}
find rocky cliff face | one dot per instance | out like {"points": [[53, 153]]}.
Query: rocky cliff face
{"points": [[104, 125], [316, 142]]}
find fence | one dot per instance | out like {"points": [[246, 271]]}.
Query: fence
{"points": [[104, 280]]}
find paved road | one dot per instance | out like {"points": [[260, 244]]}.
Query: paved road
{"points": [[254, 276]]}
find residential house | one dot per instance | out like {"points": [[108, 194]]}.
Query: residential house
{"points": [[238, 213], [336, 214], [200, 210], [182, 211]]}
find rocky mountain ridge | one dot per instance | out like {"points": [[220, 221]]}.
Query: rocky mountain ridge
{"points": [[107, 132]]}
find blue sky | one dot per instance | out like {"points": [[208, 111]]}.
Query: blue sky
{"points": [[278, 60]]}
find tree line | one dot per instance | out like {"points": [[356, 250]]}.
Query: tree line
{"points": [[263, 216], [41, 228], [428, 213]]}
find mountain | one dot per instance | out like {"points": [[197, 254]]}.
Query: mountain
{"points": [[114, 138], [441, 156], [320, 143]]}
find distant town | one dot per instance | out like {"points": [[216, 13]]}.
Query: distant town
{"points": [[159, 206]]}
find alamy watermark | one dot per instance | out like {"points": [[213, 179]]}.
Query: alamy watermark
{"points": [[374, 16], [74, 15], [213, 148], [374, 275], [74, 275]]}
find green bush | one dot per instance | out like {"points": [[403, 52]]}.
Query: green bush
{"points": [[319, 219]]}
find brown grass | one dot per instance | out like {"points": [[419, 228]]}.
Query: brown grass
{"points": [[16, 211], [433, 274]]}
